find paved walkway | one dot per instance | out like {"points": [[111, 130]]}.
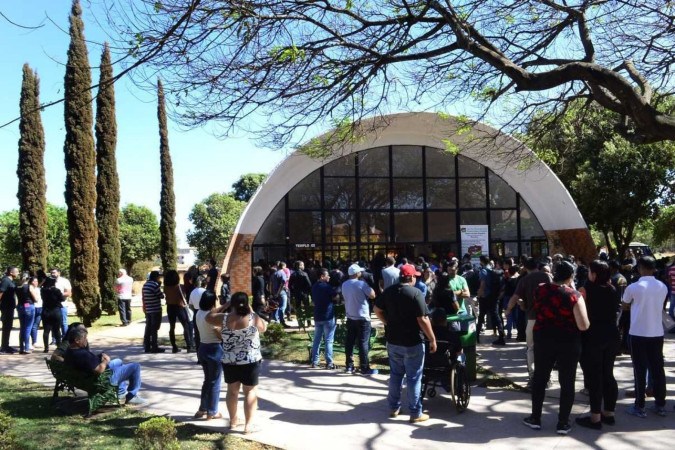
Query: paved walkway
{"points": [[301, 408]]}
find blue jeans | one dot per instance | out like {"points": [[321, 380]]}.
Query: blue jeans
{"points": [[36, 325], [64, 321], [281, 310], [210, 356], [26, 318], [324, 329], [408, 361], [358, 332], [127, 377]]}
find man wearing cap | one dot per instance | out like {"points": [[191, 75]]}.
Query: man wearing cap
{"points": [[356, 293], [403, 311]]}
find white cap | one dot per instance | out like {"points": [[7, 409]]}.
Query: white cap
{"points": [[354, 269]]}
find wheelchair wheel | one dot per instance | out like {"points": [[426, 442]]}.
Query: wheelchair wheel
{"points": [[461, 389]]}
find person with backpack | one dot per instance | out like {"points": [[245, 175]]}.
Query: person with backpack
{"points": [[488, 295]]}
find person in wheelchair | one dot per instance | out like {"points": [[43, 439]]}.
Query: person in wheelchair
{"points": [[447, 339]]}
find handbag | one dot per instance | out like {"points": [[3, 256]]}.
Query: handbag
{"points": [[188, 310], [271, 306]]}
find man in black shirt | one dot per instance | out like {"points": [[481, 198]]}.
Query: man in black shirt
{"points": [[212, 276], [7, 307], [403, 311], [127, 377]]}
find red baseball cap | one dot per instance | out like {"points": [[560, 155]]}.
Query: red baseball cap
{"points": [[408, 270]]}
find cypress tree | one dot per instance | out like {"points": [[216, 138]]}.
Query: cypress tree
{"points": [[107, 186], [80, 161], [167, 201], [31, 173]]}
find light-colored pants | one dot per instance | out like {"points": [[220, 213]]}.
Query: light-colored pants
{"points": [[529, 338]]}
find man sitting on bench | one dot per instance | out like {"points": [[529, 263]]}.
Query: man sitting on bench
{"points": [[80, 357]]}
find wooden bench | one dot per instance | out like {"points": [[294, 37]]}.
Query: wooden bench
{"points": [[339, 340], [100, 391]]}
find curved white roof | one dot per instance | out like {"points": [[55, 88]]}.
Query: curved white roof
{"points": [[516, 164]]}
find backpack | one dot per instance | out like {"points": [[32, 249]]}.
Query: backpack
{"points": [[496, 280]]}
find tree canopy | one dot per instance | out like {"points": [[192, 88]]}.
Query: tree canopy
{"points": [[615, 183], [139, 235], [244, 188], [302, 62], [664, 225], [213, 222], [58, 249]]}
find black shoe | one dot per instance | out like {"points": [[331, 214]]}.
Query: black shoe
{"points": [[532, 423], [175, 350], [158, 350], [563, 428], [609, 420], [191, 350], [285, 325], [587, 423], [499, 341]]}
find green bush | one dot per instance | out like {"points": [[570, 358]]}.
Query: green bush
{"points": [[7, 437], [158, 433], [275, 334]]}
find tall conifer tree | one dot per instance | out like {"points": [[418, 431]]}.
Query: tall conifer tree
{"points": [[167, 201], [107, 186], [80, 159], [31, 172]]}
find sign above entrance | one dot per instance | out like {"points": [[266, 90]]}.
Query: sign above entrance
{"points": [[475, 241], [305, 245]]}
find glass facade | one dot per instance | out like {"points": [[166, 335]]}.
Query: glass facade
{"points": [[406, 200]]}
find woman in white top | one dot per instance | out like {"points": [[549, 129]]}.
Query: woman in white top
{"points": [[34, 290], [210, 353], [241, 330]]}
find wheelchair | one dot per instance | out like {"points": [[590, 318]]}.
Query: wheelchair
{"points": [[449, 372]]}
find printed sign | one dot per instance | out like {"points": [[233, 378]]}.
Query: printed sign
{"points": [[475, 241]]}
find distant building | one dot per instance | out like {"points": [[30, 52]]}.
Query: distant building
{"points": [[187, 256]]}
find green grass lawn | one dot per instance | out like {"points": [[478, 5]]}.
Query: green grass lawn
{"points": [[294, 349], [40, 425]]}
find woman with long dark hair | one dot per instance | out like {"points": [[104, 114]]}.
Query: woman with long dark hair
{"points": [[241, 329], [26, 309], [209, 354], [561, 317], [600, 346], [52, 302], [176, 308]]}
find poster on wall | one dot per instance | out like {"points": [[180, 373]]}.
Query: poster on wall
{"points": [[475, 241]]}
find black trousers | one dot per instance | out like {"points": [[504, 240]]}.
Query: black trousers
{"points": [[7, 322], [358, 332], [152, 323], [124, 307], [597, 362], [489, 306], [51, 323], [647, 353], [179, 312], [549, 352]]}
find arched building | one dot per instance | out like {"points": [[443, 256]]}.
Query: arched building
{"points": [[398, 190]]}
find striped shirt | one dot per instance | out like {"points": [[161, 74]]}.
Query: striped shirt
{"points": [[152, 297], [671, 277]]}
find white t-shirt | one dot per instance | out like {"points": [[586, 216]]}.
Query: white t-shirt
{"points": [[195, 296], [390, 276], [207, 332], [63, 285], [123, 287], [646, 297]]}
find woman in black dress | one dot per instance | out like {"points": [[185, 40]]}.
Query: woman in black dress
{"points": [[52, 299]]}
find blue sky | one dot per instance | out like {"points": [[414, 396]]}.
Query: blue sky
{"points": [[202, 163]]}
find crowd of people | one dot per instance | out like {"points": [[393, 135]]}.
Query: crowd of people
{"points": [[568, 314]]}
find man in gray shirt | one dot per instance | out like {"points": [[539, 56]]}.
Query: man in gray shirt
{"points": [[356, 294], [390, 274]]}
